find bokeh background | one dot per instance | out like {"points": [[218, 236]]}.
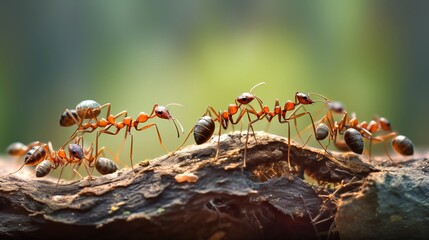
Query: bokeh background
{"points": [[370, 55]]}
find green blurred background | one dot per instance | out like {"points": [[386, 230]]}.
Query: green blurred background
{"points": [[371, 55]]}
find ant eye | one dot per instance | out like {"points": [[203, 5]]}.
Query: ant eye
{"points": [[305, 97], [159, 112], [243, 98]]}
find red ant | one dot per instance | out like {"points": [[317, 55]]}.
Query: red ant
{"points": [[400, 143], [46, 159], [354, 132], [90, 109], [34, 152], [205, 126], [292, 107], [44, 151], [127, 123]]}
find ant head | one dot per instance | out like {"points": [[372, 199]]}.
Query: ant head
{"points": [[162, 112], [303, 98], [336, 107], [245, 98], [68, 118], [76, 151], [385, 124]]}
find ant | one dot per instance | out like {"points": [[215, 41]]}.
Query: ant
{"points": [[400, 143], [86, 109], [103, 165], [78, 155], [34, 153], [128, 123], [90, 109], [205, 126], [354, 133], [46, 159], [20, 149], [301, 99]]}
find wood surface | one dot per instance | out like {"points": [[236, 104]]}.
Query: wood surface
{"points": [[192, 195]]}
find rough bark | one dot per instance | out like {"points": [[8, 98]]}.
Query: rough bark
{"points": [[391, 204], [218, 199]]}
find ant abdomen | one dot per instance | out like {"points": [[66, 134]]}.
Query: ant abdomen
{"points": [[105, 166], [322, 131], [66, 119], [16, 149], [403, 145], [35, 155], [203, 129], [43, 168], [88, 109], [354, 141]]}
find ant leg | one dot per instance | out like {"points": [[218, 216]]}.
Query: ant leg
{"points": [[384, 139], [131, 152], [288, 142], [105, 130], [288, 146], [118, 152], [80, 125], [186, 139], [251, 126], [47, 150], [77, 173], [370, 147], [61, 173], [223, 123], [314, 128], [296, 124], [247, 138], [157, 131], [218, 141], [248, 112], [87, 171]]}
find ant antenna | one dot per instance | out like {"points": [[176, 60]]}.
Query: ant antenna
{"points": [[257, 98], [175, 119], [256, 86], [319, 95], [174, 104], [181, 127], [16, 170]]}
